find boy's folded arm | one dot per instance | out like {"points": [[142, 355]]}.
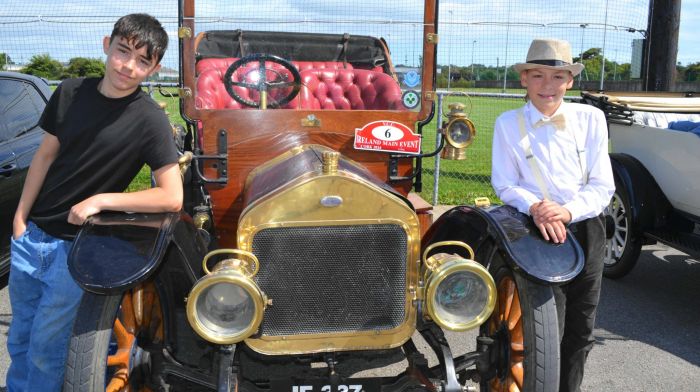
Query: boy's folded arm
{"points": [[518, 197], [504, 179], [166, 196], [505, 173], [592, 199]]}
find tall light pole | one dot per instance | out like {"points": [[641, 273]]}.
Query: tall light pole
{"points": [[583, 30], [602, 52], [505, 58], [449, 56], [473, 76]]}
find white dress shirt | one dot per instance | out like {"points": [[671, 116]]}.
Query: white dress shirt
{"points": [[556, 154]]}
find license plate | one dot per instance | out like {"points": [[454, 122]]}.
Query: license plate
{"points": [[324, 385]]}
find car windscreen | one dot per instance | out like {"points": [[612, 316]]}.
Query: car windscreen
{"points": [[21, 106]]}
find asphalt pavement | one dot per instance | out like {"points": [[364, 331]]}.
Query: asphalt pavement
{"points": [[647, 330]]}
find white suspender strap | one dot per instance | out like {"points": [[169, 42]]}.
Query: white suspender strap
{"points": [[581, 158], [536, 172]]}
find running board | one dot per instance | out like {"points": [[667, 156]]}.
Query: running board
{"points": [[685, 242]]}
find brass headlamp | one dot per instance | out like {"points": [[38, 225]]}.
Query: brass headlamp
{"points": [[459, 132], [226, 305], [459, 293]]}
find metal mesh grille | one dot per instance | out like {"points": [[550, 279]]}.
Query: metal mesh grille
{"points": [[332, 279]]}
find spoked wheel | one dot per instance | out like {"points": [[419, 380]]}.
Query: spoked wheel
{"points": [[524, 324], [112, 340], [623, 243]]}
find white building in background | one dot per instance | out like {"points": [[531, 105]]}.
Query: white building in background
{"points": [[13, 67], [167, 74]]}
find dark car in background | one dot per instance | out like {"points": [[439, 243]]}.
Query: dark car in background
{"points": [[22, 100]]}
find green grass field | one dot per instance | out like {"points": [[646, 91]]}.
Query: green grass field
{"points": [[459, 181], [143, 179], [462, 181]]}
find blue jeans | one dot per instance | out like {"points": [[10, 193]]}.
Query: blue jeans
{"points": [[44, 301]]}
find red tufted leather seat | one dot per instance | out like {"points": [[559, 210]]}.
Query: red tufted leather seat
{"points": [[345, 89], [220, 64], [341, 89], [211, 93]]}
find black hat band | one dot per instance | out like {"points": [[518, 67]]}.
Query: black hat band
{"points": [[551, 63]]}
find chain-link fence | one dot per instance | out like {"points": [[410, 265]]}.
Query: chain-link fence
{"points": [[65, 30], [479, 42]]}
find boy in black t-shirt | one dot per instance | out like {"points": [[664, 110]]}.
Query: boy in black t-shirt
{"points": [[99, 133]]}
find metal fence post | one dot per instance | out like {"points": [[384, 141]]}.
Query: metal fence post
{"points": [[438, 136]]}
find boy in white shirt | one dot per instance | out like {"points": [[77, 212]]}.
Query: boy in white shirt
{"points": [[550, 161]]}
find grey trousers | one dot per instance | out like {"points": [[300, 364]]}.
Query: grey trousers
{"points": [[576, 304]]}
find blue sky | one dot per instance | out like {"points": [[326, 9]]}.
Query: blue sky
{"points": [[689, 37], [457, 40]]}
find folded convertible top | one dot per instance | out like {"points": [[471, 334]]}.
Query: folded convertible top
{"points": [[650, 101]]}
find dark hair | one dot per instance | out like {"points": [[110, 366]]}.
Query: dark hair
{"points": [[142, 29]]}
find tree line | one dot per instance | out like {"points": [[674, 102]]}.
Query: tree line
{"points": [[464, 76], [43, 65]]}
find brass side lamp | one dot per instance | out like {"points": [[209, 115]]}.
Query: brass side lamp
{"points": [[459, 133]]}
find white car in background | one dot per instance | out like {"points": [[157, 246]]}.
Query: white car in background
{"points": [[657, 174]]}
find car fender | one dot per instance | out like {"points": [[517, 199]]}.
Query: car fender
{"points": [[115, 251], [647, 201], [503, 229]]}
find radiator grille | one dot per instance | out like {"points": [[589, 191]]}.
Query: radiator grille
{"points": [[332, 279]]}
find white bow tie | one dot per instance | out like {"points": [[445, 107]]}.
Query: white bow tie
{"points": [[558, 121]]}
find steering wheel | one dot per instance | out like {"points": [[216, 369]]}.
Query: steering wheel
{"points": [[256, 79]]}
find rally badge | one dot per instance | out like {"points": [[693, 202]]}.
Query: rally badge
{"points": [[387, 136]]}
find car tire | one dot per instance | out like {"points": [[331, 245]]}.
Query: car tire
{"points": [[624, 244], [97, 339], [524, 324]]}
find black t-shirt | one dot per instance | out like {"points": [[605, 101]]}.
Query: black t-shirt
{"points": [[104, 143]]}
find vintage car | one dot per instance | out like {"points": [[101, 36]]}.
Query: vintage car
{"points": [[657, 174], [22, 100], [302, 249]]}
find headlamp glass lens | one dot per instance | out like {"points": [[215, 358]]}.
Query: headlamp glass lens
{"points": [[460, 132], [461, 297], [225, 308]]}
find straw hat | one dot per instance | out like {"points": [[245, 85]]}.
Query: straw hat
{"points": [[549, 53]]}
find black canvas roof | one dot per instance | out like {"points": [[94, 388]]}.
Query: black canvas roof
{"points": [[293, 46]]}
